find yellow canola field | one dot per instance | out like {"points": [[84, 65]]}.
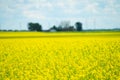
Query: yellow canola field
{"points": [[76, 58]]}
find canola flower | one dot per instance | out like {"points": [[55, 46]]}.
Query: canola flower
{"points": [[60, 58]]}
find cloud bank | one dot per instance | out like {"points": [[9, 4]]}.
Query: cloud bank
{"points": [[51, 12]]}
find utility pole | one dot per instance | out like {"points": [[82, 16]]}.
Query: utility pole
{"points": [[86, 22], [19, 26], [0, 26], [94, 23]]}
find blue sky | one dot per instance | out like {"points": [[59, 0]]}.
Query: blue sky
{"points": [[94, 14]]}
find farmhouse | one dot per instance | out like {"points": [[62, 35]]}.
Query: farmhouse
{"points": [[52, 30]]}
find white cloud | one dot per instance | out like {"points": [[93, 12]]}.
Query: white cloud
{"points": [[40, 3], [109, 10], [74, 7], [21, 1], [92, 8], [79, 6], [34, 14], [10, 10], [111, 7], [58, 10]]}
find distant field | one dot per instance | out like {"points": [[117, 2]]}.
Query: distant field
{"points": [[57, 34], [60, 56]]}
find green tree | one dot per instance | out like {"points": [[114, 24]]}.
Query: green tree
{"points": [[64, 25], [34, 27], [78, 26]]}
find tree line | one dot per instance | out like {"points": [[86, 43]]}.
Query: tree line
{"points": [[63, 26]]}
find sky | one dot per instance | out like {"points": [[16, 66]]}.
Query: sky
{"points": [[93, 14]]}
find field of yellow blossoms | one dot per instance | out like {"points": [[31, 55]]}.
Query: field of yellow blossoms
{"points": [[44, 56]]}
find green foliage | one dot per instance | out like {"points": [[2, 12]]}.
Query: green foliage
{"points": [[34, 27], [78, 26]]}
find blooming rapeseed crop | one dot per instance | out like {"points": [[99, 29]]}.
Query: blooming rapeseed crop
{"points": [[76, 58]]}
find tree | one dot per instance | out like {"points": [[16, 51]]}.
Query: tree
{"points": [[71, 28], [59, 28], [54, 27], [78, 26], [34, 27], [64, 25]]}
